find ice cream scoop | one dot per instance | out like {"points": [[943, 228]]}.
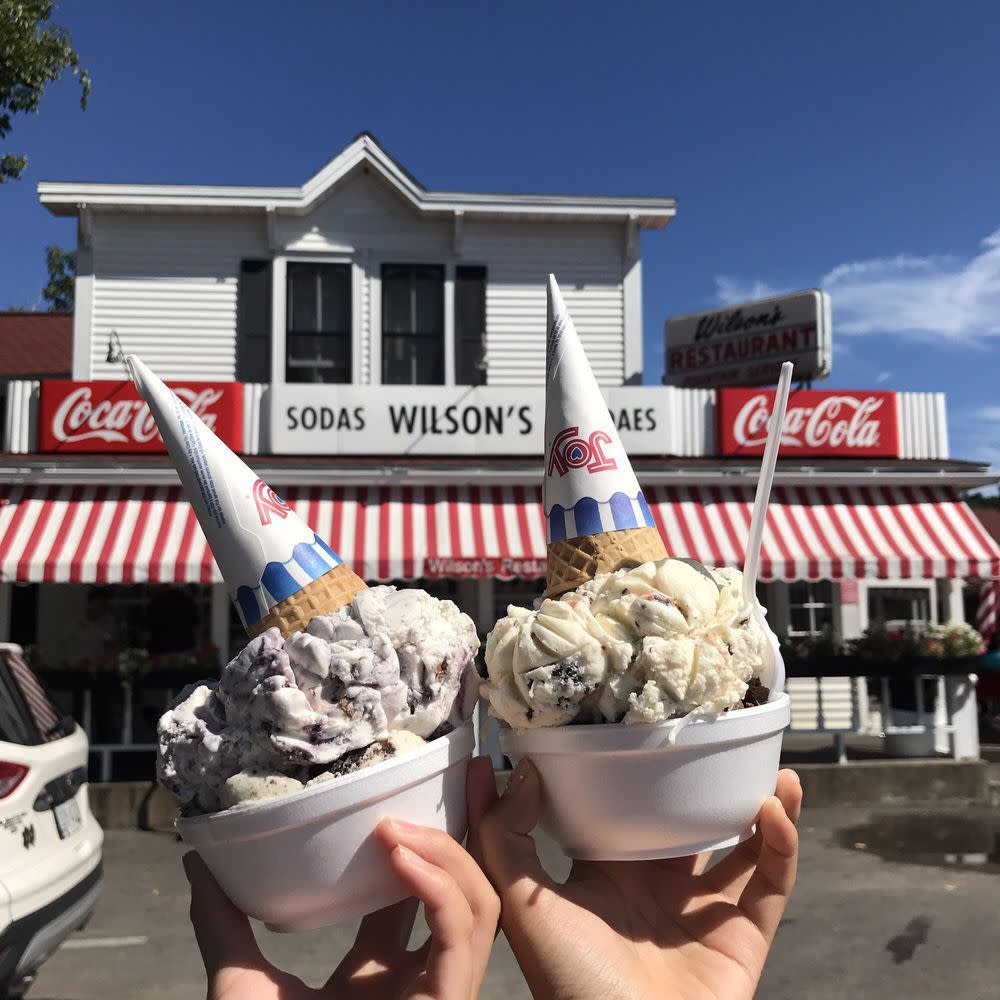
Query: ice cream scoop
{"points": [[661, 640], [391, 661]]}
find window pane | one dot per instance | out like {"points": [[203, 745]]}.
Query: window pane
{"points": [[412, 324], [253, 322], [412, 360], [823, 617], [15, 722], [428, 300], [335, 300], [898, 605], [318, 339], [799, 618], [798, 592], [470, 325], [303, 314], [318, 358], [396, 311]]}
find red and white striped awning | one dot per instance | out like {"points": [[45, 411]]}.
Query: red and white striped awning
{"points": [[99, 534]]}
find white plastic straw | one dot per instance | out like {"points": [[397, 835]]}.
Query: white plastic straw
{"points": [[752, 562]]}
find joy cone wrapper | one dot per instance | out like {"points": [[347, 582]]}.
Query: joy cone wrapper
{"points": [[596, 518], [278, 570]]}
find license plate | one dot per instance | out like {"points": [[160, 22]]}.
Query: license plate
{"points": [[68, 819]]}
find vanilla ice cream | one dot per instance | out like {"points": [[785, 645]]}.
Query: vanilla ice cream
{"points": [[286, 711], [664, 640]]}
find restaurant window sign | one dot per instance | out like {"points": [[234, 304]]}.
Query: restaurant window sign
{"points": [[106, 416], [827, 423]]}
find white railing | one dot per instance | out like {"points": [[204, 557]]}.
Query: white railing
{"points": [[839, 707]]}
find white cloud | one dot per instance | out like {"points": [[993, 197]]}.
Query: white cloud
{"points": [[731, 290], [988, 413], [882, 377], [936, 297]]}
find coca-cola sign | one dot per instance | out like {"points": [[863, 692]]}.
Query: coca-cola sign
{"points": [[111, 417], [838, 423]]}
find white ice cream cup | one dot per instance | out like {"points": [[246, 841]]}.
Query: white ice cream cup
{"points": [[310, 859], [626, 793]]}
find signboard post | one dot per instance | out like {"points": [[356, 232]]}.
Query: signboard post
{"points": [[746, 344]]}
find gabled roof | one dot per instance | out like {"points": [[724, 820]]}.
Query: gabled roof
{"points": [[36, 345], [68, 198]]}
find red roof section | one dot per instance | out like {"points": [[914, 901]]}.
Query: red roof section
{"points": [[990, 518], [36, 344]]}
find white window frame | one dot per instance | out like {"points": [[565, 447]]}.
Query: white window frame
{"points": [[404, 256], [865, 586], [366, 267], [811, 606], [279, 308]]}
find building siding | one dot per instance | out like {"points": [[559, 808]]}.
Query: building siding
{"points": [[587, 261], [364, 211], [168, 284], [168, 287]]}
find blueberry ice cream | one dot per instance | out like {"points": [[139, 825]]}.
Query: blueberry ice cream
{"points": [[376, 678]]}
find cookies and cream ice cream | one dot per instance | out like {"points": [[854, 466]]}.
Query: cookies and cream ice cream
{"points": [[664, 640], [375, 678]]}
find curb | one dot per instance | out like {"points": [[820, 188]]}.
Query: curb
{"points": [[894, 782]]}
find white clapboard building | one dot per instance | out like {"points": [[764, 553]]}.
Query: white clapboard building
{"points": [[376, 350]]}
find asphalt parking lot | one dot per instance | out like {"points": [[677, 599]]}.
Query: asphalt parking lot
{"points": [[890, 902]]}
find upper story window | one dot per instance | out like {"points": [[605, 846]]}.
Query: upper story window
{"points": [[318, 333], [412, 324], [470, 325], [253, 322]]}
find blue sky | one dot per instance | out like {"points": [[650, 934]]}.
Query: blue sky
{"points": [[850, 146]]}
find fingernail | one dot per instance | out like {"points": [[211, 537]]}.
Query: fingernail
{"points": [[402, 826], [516, 780]]}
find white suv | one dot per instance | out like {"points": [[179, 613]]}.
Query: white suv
{"points": [[50, 843]]}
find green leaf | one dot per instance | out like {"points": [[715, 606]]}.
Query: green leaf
{"points": [[33, 54]]}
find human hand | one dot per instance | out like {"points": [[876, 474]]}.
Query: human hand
{"points": [[643, 928], [460, 906]]}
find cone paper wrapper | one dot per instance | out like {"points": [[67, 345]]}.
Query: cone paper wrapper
{"points": [[264, 551], [589, 485]]}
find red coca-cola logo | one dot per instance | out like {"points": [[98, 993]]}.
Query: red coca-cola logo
{"points": [[111, 417], [821, 423]]}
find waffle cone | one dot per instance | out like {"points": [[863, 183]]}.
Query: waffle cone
{"points": [[325, 594], [574, 561]]}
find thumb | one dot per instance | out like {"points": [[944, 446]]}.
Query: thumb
{"points": [[508, 853]]}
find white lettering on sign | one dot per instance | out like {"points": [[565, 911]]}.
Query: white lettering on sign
{"points": [[120, 421], [835, 421]]}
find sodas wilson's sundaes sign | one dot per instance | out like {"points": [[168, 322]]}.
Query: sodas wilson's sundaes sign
{"points": [[107, 416], [453, 420]]}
